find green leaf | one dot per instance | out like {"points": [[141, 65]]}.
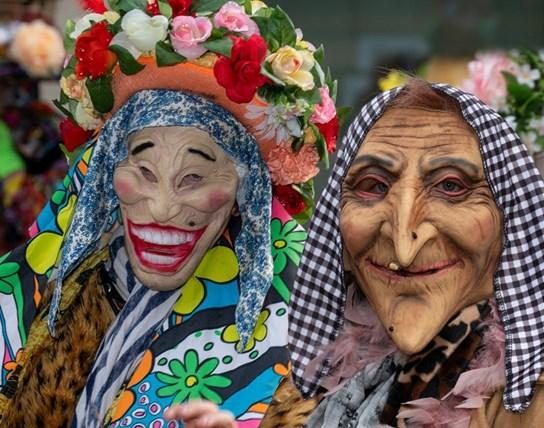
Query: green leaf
{"points": [[69, 43], [297, 144], [123, 6], [308, 194], [221, 46], [519, 92], [278, 29], [319, 54], [70, 67], [207, 7], [61, 107], [165, 9], [540, 142], [101, 93], [166, 55], [312, 97], [127, 62], [343, 114], [218, 33]]}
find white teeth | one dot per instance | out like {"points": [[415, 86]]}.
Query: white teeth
{"points": [[161, 237], [158, 259]]}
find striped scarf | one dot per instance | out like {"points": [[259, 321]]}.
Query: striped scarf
{"points": [[125, 341]]}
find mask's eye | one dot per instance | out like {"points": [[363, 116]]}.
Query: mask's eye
{"points": [[148, 175], [451, 187], [190, 180], [372, 188]]}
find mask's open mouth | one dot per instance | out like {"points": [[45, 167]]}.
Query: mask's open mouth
{"points": [[392, 270], [162, 248]]}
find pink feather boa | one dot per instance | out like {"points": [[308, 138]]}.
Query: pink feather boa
{"points": [[365, 341]]}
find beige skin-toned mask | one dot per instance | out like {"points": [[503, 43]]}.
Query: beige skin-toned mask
{"points": [[422, 233], [177, 190]]}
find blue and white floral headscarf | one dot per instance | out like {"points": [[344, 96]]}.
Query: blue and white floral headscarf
{"points": [[98, 202], [97, 211]]}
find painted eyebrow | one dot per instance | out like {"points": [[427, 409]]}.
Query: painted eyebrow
{"points": [[201, 153], [141, 147], [463, 164]]}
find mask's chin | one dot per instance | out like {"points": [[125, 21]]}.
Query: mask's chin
{"points": [[412, 322]]}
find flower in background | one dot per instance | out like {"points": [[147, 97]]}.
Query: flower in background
{"points": [[232, 17], [180, 7], [144, 31], [330, 132], [288, 167], [293, 67], [86, 117], [189, 33], [527, 75], [94, 5], [291, 200], [325, 111], [73, 135], [279, 122], [392, 80], [486, 80], [94, 57], [38, 49], [537, 123], [240, 74]]}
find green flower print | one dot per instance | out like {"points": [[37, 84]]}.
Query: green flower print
{"points": [[230, 335], [192, 380], [10, 283], [287, 243]]}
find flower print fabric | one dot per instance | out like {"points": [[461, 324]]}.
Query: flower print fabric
{"points": [[195, 355]]}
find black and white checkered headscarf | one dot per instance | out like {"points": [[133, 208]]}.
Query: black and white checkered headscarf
{"points": [[317, 303]]}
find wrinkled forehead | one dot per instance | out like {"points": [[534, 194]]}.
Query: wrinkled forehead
{"points": [[421, 134]]}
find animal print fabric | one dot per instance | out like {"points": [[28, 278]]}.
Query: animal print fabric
{"points": [[434, 371]]}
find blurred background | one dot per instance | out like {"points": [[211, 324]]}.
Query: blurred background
{"points": [[363, 41]]}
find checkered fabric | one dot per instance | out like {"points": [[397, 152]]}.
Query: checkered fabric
{"points": [[317, 303]]}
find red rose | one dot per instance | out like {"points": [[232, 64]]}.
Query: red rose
{"points": [[93, 57], [73, 135], [96, 6], [291, 200], [153, 8], [180, 7], [241, 74], [330, 131]]}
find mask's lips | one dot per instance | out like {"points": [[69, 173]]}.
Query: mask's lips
{"points": [[420, 271], [162, 248]]}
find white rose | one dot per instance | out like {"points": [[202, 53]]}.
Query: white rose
{"points": [[144, 31], [85, 23]]}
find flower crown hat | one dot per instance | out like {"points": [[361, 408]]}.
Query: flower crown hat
{"points": [[243, 55]]}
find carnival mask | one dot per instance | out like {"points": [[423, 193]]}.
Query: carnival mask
{"points": [[421, 230], [177, 189]]}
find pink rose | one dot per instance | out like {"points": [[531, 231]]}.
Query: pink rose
{"points": [[325, 111], [232, 17], [486, 80], [188, 33]]}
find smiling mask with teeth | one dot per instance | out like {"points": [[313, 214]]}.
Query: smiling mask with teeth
{"points": [[176, 189], [421, 231]]}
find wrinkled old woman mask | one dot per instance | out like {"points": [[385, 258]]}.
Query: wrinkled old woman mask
{"points": [[421, 231], [177, 189]]}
